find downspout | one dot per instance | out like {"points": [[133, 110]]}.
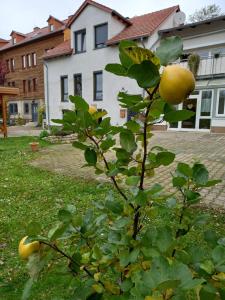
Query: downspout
{"points": [[47, 95]]}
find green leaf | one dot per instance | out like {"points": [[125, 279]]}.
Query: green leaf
{"points": [[212, 183], [57, 232], [207, 266], [133, 180], [170, 49], [125, 60], [114, 206], [192, 283], [201, 219], [79, 102], [211, 238], [116, 69], [126, 285], [208, 292], [80, 145], [133, 126], [139, 54], [146, 74], [90, 156], [218, 254], [179, 181], [200, 174], [184, 169], [127, 141], [57, 121], [178, 115], [64, 216], [164, 239], [107, 144], [95, 296], [165, 158]]}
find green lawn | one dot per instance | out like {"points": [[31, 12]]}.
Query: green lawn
{"points": [[29, 194]]}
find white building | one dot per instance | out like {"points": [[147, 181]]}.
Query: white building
{"points": [[207, 38], [77, 65]]}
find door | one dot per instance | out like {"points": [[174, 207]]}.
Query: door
{"points": [[191, 105], [34, 111], [200, 103]]}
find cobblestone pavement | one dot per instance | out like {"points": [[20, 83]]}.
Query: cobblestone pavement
{"points": [[189, 147]]}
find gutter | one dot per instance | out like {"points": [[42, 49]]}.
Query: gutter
{"points": [[47, 95]]}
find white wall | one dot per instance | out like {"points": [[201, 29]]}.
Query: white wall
{"points": [[90, 61]]}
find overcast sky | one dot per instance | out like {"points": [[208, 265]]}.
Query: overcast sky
{"points": [[23, 15]]}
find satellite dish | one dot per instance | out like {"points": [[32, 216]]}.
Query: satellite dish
{"points": [[179, 18]]}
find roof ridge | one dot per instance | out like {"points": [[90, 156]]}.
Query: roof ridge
{"points": [[98, 5], [156, 11]]}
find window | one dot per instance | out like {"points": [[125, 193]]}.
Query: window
{"points": [[24, 63], [64, 88], [80, 41], [221, 102], [34, 84], [14, 41], [34, 59], [9, 83], [12, 64], [26, 108], [29, 85], [24, 86], [206, 103], [51, 27], [28, 60], [13, 84], [101, 35], [78, 84], [8, 65], [13, 109], [98, 83]]}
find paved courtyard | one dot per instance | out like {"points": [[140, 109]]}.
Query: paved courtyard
{"points": [[189, 147]]}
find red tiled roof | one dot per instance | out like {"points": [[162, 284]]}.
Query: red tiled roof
{"points": [[62, 49], [19, 33], [32, 36], [143, 25], [100, 6], [3, 40]]}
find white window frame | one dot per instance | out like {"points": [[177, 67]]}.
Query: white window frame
{"points": [[24, 61], [211, 112], [217, 103], [29, 61], [34, 59]]}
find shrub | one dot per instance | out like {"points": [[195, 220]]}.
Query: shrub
{"points": [[43, 134], [115, 251]]}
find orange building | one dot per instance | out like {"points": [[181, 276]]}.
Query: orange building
{"points": [[22, 56]]}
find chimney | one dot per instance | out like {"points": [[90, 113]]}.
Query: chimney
{"points": [[36, 28]]}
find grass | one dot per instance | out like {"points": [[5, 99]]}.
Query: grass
{"points": [[29, 194]]}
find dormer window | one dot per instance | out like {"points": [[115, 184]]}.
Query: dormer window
{"points": [[52, 27], [101, 35], [14, 40]]}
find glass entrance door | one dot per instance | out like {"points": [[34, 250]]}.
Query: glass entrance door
{"points": [[191, 105], [201, 104]]}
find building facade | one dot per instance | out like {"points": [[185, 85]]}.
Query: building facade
{"points": [[207, 39], [77, 66], [22, 55]]}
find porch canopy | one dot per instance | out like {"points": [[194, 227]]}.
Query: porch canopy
{"points": [[4, 93]]}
